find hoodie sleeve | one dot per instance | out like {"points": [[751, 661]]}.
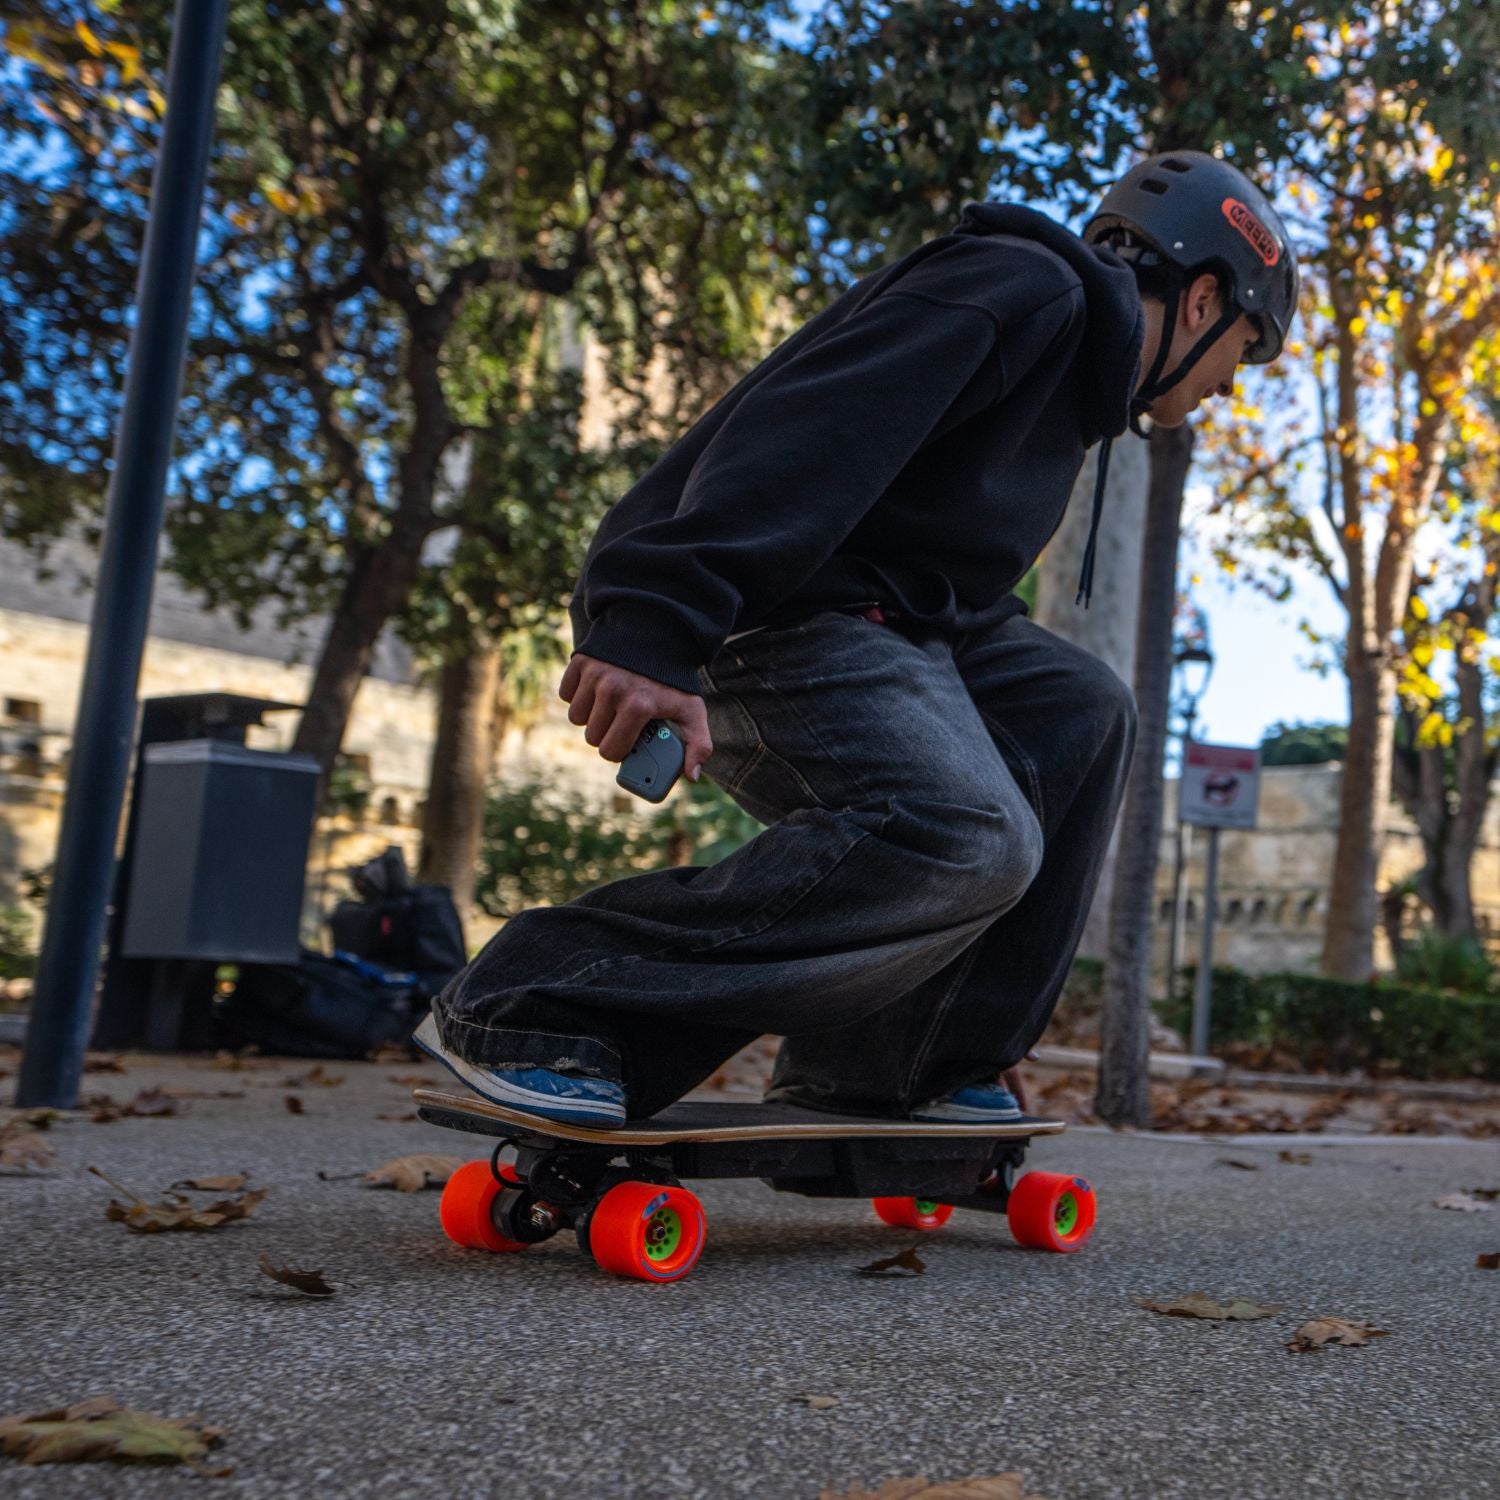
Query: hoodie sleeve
{"points": [[788, 476]]}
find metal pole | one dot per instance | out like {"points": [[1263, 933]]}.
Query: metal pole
{"points": [[1202, 994], [67, 970], [1175, 935]]}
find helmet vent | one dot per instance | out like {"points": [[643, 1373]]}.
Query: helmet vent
{"points": [[1171, 164], [1153, 185]]}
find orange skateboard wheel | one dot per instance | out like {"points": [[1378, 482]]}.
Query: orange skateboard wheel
{"points": [[648, 1230], [468, 1196], [1051, 1211], [913, 1213]]}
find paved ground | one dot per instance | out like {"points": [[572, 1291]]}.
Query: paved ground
{"points": [[436, 1371]]}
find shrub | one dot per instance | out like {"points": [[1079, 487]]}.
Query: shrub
{"points": [[17, 955], [1380, 1026], [1442, 961]]}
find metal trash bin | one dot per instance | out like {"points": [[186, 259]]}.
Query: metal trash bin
{"points": [[219, 854]]}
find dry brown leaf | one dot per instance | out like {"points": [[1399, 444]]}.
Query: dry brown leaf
{"points": [[389, 1052], [817, 1403], [1488, 1194], [21, 1149], [175, 1212], [148, 1104], [315, 1077], [908, 1263], [409, 1174], [101, 1429], [24, 1152], [102, 1062], [1295, 1158], [410, 1080], [213, 1184], [293, 1105], [310, 1283], [236, 1062], [1231, 1161], [1462, 1203], [1312, 1336], [1489, 1262], [1201, 1305], [990, 1487]]}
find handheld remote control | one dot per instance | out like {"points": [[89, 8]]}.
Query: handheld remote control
{"points": [[652, 768]]}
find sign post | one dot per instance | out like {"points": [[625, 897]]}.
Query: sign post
{"points": [[1220, 789]]}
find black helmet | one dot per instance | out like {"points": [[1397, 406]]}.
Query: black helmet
{"points": [[1186, 210]]}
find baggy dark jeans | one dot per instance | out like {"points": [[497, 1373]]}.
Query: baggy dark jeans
{"points": [[938, 813]]}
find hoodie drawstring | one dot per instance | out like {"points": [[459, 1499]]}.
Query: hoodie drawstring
{"points": [[1086, 577]]}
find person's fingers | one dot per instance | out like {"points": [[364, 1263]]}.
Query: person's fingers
{"points": [[569, 684], [632, 710], [585, 693], [697, 746], [1012, 1080]]}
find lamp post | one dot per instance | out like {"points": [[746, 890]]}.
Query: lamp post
{"points": [[1195, 663]]}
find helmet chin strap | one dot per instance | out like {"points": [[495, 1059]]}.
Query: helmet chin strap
{"points": [[1155, 384]]}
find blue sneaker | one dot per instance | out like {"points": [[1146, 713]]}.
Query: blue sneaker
{"points": [[595, 1102], [977, 1104]]}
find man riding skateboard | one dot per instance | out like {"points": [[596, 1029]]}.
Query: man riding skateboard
{"points": [[815, 585]]}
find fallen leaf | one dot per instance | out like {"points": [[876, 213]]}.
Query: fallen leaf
{"points": [[1488, 1194], [101, 1429], [409, 1174], [896, 1266], [175, 1212], [21, 1150], [1489, 1262], [102, 1062], [214, 1184], [817, 1403], [310, 1283], [293, 1105], [1295, 1158], [409, 1115], [991, 1487], [315, 1077], [1312, 1336], [236, 1062], [410, 1080], [1201, 1305], [388, 1052], [1230, 1161], [1462, 1203], [148, 1104]]}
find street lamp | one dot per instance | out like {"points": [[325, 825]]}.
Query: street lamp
{"points": [[1194, 664]]}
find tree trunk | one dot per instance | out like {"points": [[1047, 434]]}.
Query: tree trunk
{"points": [[380, 581], [1124, 1094], [462, 755], [1108, 626], [1349, 938]]}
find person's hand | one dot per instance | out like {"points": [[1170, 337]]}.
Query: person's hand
{"points": [[616, 705]]}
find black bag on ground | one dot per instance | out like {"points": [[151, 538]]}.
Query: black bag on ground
{"points": [[320, 1007], [411, 928]]}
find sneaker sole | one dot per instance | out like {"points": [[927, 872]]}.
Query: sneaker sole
{"points": [[961, 1115], [497, 1091]]}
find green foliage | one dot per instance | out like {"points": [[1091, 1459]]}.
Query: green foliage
{"points": [[348, 791], [1380, 1027], [544, 843], [1448, 961], [1026, 588], [1302, 744], [17, 953]]}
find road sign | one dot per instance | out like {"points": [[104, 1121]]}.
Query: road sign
{"points": [[1220, 785]]}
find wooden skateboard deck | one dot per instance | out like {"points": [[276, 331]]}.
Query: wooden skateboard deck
{"points": [[715, 1121]]}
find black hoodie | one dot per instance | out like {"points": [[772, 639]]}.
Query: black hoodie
{"points": [[913, 446]]}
